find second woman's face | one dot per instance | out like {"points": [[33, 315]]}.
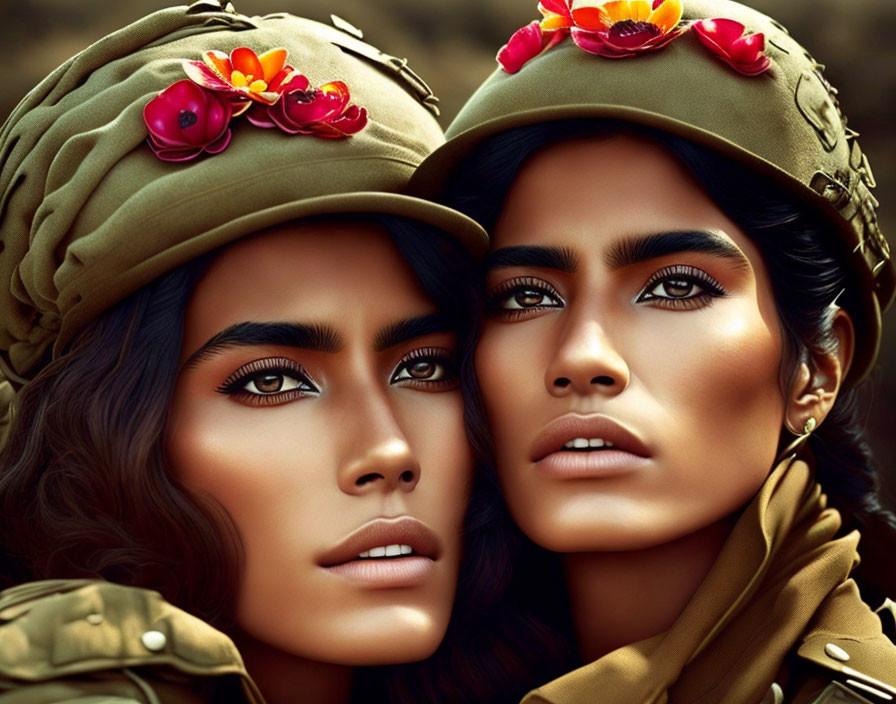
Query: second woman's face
{"points": [[318, 405], [629, 361]]}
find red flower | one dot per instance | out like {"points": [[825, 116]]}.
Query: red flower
{"points": [[622, 28], [726, 39], [527, 43], [185, 120], [303, 109]]}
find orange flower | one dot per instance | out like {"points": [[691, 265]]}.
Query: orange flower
{"points": [[622, 28], [557, 15], [243, 74]]}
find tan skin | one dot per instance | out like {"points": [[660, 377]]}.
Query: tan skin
{"points": [[347, 421], [626, 307]]}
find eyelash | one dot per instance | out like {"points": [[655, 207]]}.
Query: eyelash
{"points": [[234, 385], [435, 355], [521, 284], [685, 274]]}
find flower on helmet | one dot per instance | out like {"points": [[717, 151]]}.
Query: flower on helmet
{"points": [[729, 41], [527, 43], [244, 75], [622, 28], [185, 120], [303, 109], [614, 29], [193, 116]]}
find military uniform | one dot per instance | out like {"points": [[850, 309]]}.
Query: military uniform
{"points": [[777, 619], [89, 641]]}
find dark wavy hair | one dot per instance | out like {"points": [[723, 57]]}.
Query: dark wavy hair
{"points": [[806, 265], [85, 493]]}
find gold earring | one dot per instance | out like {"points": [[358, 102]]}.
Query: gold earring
{"points": [[810, 425]]}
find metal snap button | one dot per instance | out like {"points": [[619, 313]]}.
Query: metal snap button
{"points": [[153, 640]]}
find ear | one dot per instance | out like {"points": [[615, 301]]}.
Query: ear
{"points": [[817, 381]]}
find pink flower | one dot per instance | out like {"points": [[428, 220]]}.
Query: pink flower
{"points": [[726, 39], [622, 28], [302, 109], [185, 120], [527, 43]]}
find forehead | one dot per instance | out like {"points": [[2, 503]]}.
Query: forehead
{"points": [[587, 192], [344, 274]]}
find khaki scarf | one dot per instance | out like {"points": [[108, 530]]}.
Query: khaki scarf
{"points": [[777, 566]]}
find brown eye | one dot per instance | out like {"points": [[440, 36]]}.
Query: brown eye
{"points": [[422, 370], [528, 298], [269, 383], [676, 288], [680, 284], [426, 369]]}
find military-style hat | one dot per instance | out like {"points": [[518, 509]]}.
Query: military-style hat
{"points": [[711, 71], [253, 121]]}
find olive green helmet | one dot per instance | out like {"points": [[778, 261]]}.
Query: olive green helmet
{"points": [[770, 110], [90, 212]]}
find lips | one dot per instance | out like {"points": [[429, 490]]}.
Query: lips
{"points": [[405, 531], [569, 428]]}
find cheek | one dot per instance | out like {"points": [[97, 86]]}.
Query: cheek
{"points": [[257, 464], [718, 383], [511, 360], [433, 424]]}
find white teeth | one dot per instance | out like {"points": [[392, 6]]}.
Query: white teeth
{"points": [[387, 551], [583, 443]]}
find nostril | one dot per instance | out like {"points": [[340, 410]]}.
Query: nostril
{"points": [[367, 478], [603, 380], [562, 382], [407, 476]]}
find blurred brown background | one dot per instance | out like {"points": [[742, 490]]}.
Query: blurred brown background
{"points": [[452, 45]]}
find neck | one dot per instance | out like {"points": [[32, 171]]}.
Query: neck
{"points": [[619, 598], [284, 678]]}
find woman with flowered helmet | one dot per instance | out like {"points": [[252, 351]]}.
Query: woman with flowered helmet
{"points": [[682, 298], [229, 345]]}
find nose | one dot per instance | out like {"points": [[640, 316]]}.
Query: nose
{"points": [[586, 362], [378, 456]]}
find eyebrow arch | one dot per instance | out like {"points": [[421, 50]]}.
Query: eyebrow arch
{"points": [[305, 336], [405, 330], [632, 251], [558, 258]]}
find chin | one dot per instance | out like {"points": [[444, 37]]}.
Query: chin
{"points": [[365, 637], [584, 526], [407, 635], [396, 649]]}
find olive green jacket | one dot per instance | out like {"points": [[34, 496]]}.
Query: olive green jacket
{"points": [[777, 619], [86, 642]]}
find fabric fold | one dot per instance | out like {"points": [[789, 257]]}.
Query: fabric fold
{"points": [[778, 565]]}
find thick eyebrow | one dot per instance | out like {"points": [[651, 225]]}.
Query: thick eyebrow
{"points": [[405, 330], [559, 258], [305, 336], [630, 251]]}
